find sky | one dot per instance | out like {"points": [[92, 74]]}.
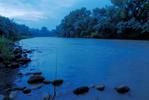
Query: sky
{"points": [[49, 13]]}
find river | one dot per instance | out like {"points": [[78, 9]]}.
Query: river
{"points": [[87, 62]]}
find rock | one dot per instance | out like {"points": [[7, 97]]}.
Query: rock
{"points": [[17, 56], [20, 74], [37, 73], [18, 88], [17, 50], [81, 90], [27, 91], [122, 89], [24, 55], [33, 73], [36, 79], [57, 82], [14, 65], [100, 87], [27, 74], [24, 60], [46, 82], [27, 51]]}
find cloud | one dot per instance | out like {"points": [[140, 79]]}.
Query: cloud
{"points": [[20, 12], [33, 10], [37, 13]]}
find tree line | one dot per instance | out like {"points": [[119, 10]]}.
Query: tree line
{"points": [[125, 19], [12, 30]]}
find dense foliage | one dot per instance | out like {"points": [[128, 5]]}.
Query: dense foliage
{"points": [[5, 49], [40, 32], [10, 29], [124, 19], [9, 33]]}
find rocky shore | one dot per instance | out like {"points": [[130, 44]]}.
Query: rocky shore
{"points": [[18, 58]]}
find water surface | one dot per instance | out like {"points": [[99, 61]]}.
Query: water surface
{"points": [[85, 62]]}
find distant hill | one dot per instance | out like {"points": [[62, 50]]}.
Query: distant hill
{"points": [[10, 29], [43, 32]]}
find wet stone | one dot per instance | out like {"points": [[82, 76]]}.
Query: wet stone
{"points": [[100, 87], [35, 79], [37, 73], [81, 90], [57, 82], [27, 91], [122, 89]]}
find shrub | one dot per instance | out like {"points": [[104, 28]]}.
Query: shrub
{"points": [[5, 49], [129, 29]]}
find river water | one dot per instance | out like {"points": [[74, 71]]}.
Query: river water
{"points": [[87, 62]]}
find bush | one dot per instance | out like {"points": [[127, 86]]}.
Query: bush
{"points": [[125, 19], [105, 29], [129, 29], [5, 49], [145, 30]]}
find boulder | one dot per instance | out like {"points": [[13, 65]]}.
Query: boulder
{"points": [[28, 73], [14, 65], [18, 88], [27, 91], [24, 60], [17, 50], [122, 89], [17, 56], [33, 73], [57, 82], [81, 90], [20, 74], [27, 51], [24, 55], [37, 73], [35, 79], [100, 87]]}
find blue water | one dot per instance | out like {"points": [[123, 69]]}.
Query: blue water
{"points": [[85, 62]]}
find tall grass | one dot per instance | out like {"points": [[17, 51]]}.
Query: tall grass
{"points": [[6, 49]]}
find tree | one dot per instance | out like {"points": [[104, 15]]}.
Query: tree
{"points": [[75, 22], [124, 19], [119, 2]]}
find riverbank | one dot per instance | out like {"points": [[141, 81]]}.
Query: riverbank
{"points": [[12, 55]]}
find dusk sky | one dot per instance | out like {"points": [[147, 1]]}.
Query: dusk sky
{"points": [[49, 13]]}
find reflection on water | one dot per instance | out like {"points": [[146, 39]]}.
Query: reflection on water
{"points": [[85, 62]]}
